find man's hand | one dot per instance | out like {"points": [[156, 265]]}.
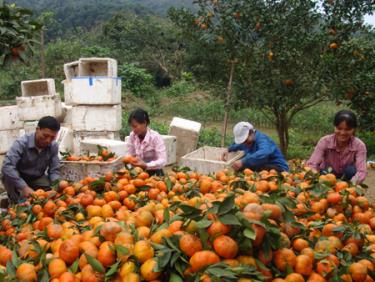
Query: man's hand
{"points": [[237, 165], [26, 192], [139, 163], [224, 156]]}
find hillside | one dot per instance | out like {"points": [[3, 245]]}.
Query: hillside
{"points": [[71, 14]]}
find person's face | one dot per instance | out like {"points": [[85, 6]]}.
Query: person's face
{"points": [[139, 129], [250, 139], [44, 137], [343, 132]]}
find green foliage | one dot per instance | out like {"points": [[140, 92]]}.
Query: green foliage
{"points": [[369, 139], [136, 80], [179, 88], [17, 32]]}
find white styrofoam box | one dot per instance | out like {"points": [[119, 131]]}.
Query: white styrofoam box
{"points": [[97, 67], [65, 140], [207, 159], [96, 118], [115, 146], [187, 135], [34, 108], [95, 91], [66, 116], [9, 118], [78, 136], [7, 138], [71, 69], [30, 126], [67, 91], [75, 171], [40, 87], [170, 146]]}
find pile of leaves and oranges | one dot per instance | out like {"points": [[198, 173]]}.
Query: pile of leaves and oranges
{"points": [[127, 226], [103, 155]]}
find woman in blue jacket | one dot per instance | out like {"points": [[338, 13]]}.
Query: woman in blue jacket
{"points": [[261, 152]]}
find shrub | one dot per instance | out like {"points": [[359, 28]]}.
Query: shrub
{"points": [[136, 80]]}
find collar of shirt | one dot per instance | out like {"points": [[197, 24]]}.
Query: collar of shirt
{"points": [[332, 143], [147, 138], [31, 143]]}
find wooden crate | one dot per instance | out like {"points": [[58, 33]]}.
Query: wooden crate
{"points": [[75, 171], [207, 159]]}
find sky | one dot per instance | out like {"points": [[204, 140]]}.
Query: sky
{"points": [[370, 19]]}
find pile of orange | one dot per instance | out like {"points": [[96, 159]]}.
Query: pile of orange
{"points": [[128, 226]]}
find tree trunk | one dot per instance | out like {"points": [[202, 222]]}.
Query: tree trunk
{"points": [[42, 56], [282, 127], [227, 101]]}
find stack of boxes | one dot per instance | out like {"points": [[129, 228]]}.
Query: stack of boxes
{"points": [[92, 94], [38, 99], [10, 127]]}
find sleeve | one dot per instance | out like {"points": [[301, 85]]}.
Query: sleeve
{"points": [[261, 155], [9, 169], [54, 166], [317, 156], [234, 147], [130, 145], [360, 165], [161, 154]]}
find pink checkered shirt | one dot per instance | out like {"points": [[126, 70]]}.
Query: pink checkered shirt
{"points": [[326, 155], [151, 149]]}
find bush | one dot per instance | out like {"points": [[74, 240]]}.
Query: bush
{"points": [[136, 80], [369, 139], [179, 88]]}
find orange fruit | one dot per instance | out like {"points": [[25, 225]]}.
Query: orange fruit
{"points": [[147, 270], [69, 251], [358, 271], [68, 277], [225, 247], [218, 228], [106, 254], [143, 251], [304, 265], [26, 272], [190, 244], [283, 258], [54, 231], [202, 259], [5, 255], [56, 267], [294, 277]]}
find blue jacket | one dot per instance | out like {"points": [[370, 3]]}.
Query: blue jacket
{"points": [[263, 152]]}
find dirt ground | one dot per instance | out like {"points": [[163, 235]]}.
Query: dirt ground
{"points": [[370, 182]]}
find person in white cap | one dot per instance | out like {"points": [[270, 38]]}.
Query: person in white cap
{"points": [[261, 152]]}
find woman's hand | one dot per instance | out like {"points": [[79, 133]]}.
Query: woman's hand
{"points": [[140, 163]]}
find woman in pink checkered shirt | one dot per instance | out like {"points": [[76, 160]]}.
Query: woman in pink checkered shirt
{"points": [[341, 151], [146, 144]]}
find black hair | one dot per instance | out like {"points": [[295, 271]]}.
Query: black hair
{"points": [[345, 115], [140, 116], [50, 123]]}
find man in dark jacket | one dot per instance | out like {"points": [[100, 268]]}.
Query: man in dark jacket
{"points": [[32, 162], [261, 152]]}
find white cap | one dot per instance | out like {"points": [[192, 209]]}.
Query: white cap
{"points": [[241, 131]]}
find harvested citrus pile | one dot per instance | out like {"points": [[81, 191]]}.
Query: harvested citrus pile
{"points": [[103, 155], [128, 226]]}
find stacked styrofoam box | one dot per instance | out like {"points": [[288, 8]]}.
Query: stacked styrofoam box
{"points": [[65, 140], [207, 159], [115, 146], [170, 146], [11, 127], [38, 99], [187, 135], [93, 90]]}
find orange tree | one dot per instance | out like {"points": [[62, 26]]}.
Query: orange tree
{"points": [[289, 54], [17, 31]]}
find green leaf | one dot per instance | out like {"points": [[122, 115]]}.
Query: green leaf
{"points": [[204, 223], [113, 269], [229, 219], [74, 266], [204, 237], [227, 205], [10, 268], [122, 250], [96, 265], [166, 215], [175, 278], [249, 233]]}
